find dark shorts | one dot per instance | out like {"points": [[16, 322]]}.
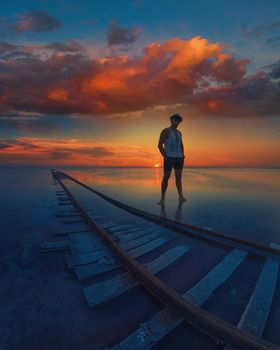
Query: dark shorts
{"points": [[176, 163]]}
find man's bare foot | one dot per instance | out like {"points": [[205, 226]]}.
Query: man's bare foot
{"points": [[161, 201], [182, 199]]}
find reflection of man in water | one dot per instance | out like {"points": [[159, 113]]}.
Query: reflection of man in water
{"points": [[172, 149], [178, 213]]}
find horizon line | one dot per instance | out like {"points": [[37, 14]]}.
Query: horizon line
{"points": [[132, 166]]}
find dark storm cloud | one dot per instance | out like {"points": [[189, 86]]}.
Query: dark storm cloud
{"points": [[6, 47], [26, 83], [27, 145], [258, 32], [274, 42], [69, 46], [254, 96], [274, 70], [274, 25], [95, 152], [34, 21], [49, 149], [98, 152], [41, 72], [117, 35], [253, 32], [4, 145], [10, 51]]}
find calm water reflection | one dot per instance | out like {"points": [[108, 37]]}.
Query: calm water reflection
{"points": [[243, 202]]}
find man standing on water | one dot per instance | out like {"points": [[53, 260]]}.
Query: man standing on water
{"points": [[171, 147]]}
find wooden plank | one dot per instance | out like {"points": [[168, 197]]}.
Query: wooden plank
{"points": [[74, 226], [109, 225], [89, 270], [103, 256], [217, 276], [86, 246], [67, 215], [255, 315], [139, 241], [72, 222], [77, 237], [106, 290], [84, 238], [69, 232], [166, 320], [54, 246], [147, 247], [74, 211], [132, 236], [120, 228], [85, 257], [124, 233]]}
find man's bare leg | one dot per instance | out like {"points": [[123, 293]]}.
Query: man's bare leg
{"points": [[178, 175], [164, 185]]}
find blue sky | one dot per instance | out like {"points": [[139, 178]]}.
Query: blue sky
{"points": [[222, 21], [216, 20]]}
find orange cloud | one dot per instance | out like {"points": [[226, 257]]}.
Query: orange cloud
{"points": [[28, 150], [171, 69], [189, 71], [58, 95], [229, 150]]}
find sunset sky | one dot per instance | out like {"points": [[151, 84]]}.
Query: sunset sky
{"points": [[93, 83]]}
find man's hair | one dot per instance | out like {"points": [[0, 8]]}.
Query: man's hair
{"points": [[176, 117]]}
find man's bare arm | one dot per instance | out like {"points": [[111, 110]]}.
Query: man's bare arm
{"points": [[182, 148], [163, 136]]}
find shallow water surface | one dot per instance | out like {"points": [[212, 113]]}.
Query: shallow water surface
{"points": [[241, 202], [41, 297]]}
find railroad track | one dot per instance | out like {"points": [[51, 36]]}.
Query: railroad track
{"points": [[104, 246]]}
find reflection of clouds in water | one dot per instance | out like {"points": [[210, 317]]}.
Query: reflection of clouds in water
{"points": [[145, 177], [110, 174], [244, 180], [237, 201], [226, 181]]}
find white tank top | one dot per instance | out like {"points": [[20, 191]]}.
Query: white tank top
{"points": [[172, 144]]}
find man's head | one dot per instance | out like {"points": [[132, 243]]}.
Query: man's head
{"points": [[175, 119]]}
